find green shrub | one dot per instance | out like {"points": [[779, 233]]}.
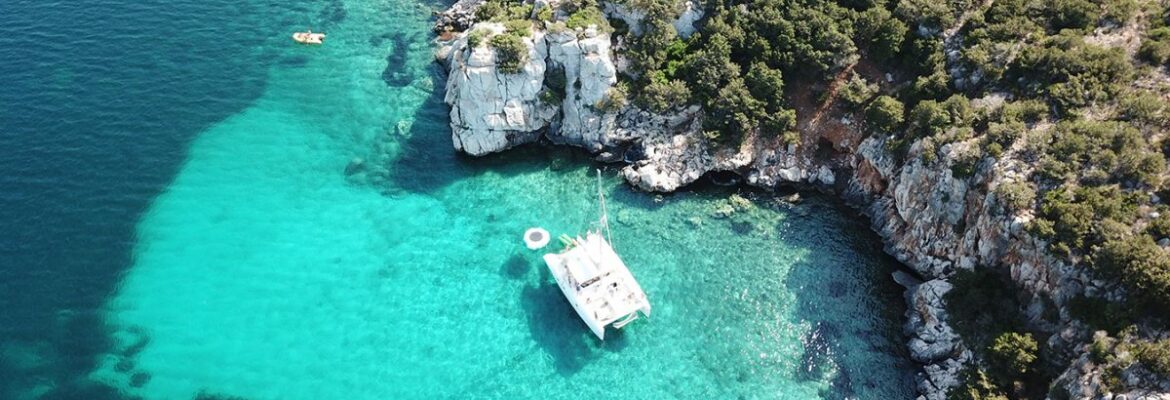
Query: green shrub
{"points": [[661, 96], [1159, 227], [1155, 47], [1119, 12], [880, 33], [1117, 150], [475, 37], [511, 53], [503, 10], [545, 14], [1073, 14], [615, 98], [965, 164], [1101, 349], [977, 386], [930, 14], [927, 118], [1076, 213], [489, 10], [1016, 196], [1142, 266], [586, 16], [1029, 111], [790, 137], [1155, 356], [518, 27], [735, 111], [1072, 72], [1013, 353], [1145, 108], [857, 91], [767, 85], [884, 115]]}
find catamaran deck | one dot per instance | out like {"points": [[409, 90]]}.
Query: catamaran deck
{"points": [[598, 284]]}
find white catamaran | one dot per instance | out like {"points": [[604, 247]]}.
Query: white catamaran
{"points": [[595, 280]]}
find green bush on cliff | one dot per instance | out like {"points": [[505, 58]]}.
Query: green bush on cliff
{"points": [[511, 52], [857, 92], [1155, 47], [734, 112], [1142, 266], [615, 98], [475, 37], [884, 115], [977, 386], [588, 15], [1014, 353], [1155, 356], [1015, 195], [879, 34], [1072, 72], [503, 10], [661, 96], [518, 27]]}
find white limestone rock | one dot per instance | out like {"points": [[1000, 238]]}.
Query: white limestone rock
{"points": [[590, 73], [492, 110]]}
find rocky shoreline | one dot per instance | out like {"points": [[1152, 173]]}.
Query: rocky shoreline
{"points": [[933, 221]]}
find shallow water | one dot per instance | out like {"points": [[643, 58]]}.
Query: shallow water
{"points": [[323, 241]]}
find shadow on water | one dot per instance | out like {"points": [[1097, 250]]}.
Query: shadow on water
{"points": [[557, 328], [516, 267], [559, 331], [426, 161], [847, 262]]}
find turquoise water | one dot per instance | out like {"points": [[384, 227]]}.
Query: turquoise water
{"points": [[323, 241]]}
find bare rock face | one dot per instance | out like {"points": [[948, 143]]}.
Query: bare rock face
{"points": [[458, 17], [589, 74], [492, 111], [673, 153]]}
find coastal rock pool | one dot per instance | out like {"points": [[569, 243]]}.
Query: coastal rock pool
{"points": [[325, 242]]}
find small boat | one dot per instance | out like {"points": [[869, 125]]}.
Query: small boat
{"points": [[596, 281], [309, 37]]}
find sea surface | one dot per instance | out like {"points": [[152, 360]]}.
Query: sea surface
{"points": [[192, 206]]}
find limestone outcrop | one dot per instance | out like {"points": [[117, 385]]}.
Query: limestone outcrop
{"points": [[492, 110]]}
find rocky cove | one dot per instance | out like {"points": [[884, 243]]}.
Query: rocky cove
{"points": [[934, 220]]}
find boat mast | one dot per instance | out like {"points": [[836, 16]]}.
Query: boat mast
{"points": [[604, 215]]}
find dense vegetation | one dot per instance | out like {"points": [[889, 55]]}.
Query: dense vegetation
{"points": [[1072, 110], [1061, 90]]}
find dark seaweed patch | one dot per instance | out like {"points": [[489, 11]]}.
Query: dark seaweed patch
{"points": [[397, 74]]}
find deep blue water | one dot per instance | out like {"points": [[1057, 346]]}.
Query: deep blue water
{"points": [[100, 101], [177, 220]]}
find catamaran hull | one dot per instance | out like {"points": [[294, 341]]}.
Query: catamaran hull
{"points": [[553, 263]]}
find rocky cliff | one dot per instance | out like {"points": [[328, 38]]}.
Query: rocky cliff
{"points": [[931, 219]]}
